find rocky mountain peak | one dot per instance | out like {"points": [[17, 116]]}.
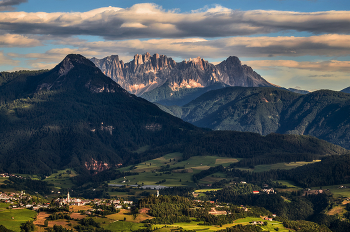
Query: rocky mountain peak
{"points": [[145, 73], [232, 60], [77, 59]]}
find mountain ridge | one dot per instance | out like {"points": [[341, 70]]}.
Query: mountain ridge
{"points": [[146, 73], [74, 116], [267, 110]]}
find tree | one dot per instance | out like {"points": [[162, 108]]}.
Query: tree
{"points": [[27, 226]]}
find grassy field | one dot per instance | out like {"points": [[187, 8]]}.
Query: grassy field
{"points": [[289, 184], [125, 221], [13, 218], [123, 226], [193, 225], [338, 192], [182, 176], [282, 166], [61, 179], [340, 210], [206, 190], [124, 213], [2, 179]]}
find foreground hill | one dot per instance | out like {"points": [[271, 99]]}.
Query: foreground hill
{"points": [[75, 116], [160, 79], [323, 113]]}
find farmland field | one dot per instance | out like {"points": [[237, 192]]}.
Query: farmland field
{"points": [[337, 191], [282, 166], [181, 174], [193, 225], [61, 179], [13, 218]]}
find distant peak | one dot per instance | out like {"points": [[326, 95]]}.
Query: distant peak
{"points": [[234, 59], [74, 57], [196, 60], [71, 61]]}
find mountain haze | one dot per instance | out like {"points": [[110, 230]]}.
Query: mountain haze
{"points": [[160, 79]]}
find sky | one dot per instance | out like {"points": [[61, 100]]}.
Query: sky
{"points": [[303, 44]]}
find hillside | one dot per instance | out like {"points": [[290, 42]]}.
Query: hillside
{"points": [[74, 116], [323, 113], [160, 79]]}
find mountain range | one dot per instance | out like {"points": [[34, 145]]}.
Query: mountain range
{"points": [[160, 79], [75, 116], [323, 113]]}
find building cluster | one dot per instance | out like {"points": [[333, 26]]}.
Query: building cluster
{"points": [[21, 200], [268, 191], [118, 204], [6, 175]]}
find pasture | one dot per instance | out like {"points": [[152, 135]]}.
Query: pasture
{"points": [[181, 170], [194, 225], [61, 179], [337, 191], [282, 166], [13, 218]]}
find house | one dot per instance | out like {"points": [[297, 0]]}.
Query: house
{"points": [[267, 218], [312, 192], [268, 191], [256, 223], [214, 212]]}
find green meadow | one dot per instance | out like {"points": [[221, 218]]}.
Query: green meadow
{"points": [[61, 179], [194, 225], [123, 226], [181, 174], [282, 166], [337, 191], [13, 218]]}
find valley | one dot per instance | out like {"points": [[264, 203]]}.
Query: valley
{"points": [[74, 131]]}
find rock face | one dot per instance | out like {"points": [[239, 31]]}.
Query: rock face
{"points": [[145, 73]]}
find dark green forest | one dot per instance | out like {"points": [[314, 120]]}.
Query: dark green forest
{"points": [[265, 110]]}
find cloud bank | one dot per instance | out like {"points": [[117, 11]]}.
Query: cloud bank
{"points": [[151, 21], [7, 5]]}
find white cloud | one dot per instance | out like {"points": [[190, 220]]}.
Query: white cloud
{"points": [[328, 66], [323, 45], [12, 40], [5, 60], [306, 79], [151, 21]]}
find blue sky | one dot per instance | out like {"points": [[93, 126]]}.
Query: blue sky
{"points": [[291, 43]]}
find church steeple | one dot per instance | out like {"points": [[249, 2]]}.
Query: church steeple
{"points": [[68, 197]]}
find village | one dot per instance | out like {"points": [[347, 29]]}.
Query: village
{"points": [[21, 200]]}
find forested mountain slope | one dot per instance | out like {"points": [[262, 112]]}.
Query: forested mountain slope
{"points": [[322, 113], [75, 116]]}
